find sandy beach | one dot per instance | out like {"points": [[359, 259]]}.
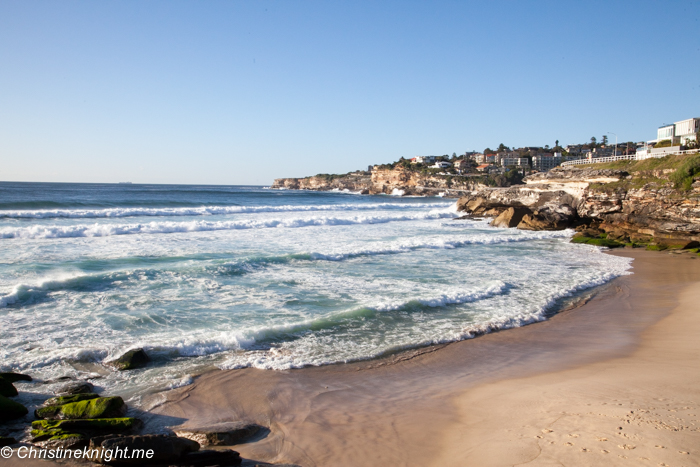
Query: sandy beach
{"points": [[612, 382]]}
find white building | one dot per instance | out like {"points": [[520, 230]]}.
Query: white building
{"points": [[686, 130], [515, 161], [679, 132], [423, 159], [545, 162], [441, 165]]}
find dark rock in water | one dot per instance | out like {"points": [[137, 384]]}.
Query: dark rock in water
{"points": [[10, 410], [4, 441], [220, 434], [135, 358], [7, 389], [87, 426], [225, 457], [14, 377], [101, 407], [166, 449], [62, 400], [79, 387]]}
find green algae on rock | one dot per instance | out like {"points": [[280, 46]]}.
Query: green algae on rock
{"points": [[100, 407]]}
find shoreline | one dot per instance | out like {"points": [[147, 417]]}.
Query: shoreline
{"points": [[406, 409]]}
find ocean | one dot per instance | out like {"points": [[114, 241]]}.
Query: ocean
{"points": [[206, 277]]}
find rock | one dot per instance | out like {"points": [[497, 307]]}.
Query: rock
{"points": [[166, 449], [5, 441], [78, 387], [10, 410], [14, 377], [132, 359], [224, 457], [220, 434], [101, 407], [62, 400], [87, 426], [7, 389], [64, 440], [511, 217]]}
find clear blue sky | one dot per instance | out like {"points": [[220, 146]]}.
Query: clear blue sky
{"points": [[234, 92]]}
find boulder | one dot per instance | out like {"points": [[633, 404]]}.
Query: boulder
{"points": [[62, 400], [14, 377], [10, 410], [7, 389], [511, 217], [220, 434], [78, 387], [87, 426], [224, 457], [64, 440], [135, 358], [166, 449], [5, 441], [101, 407]]}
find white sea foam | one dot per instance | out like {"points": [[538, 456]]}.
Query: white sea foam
{"points": [[207, 210], [105, 230]]}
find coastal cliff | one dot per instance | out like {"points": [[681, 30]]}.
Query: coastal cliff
{"points": [[398, 180], [655, 201]]}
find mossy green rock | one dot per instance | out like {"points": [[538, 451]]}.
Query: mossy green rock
{"points": [[14, 377], [101, 407], [10, 410], [108, 425], [62, 400], [6, 388]]}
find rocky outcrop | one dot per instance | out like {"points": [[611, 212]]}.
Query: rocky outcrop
{"points": [[10, 410], [130, 360], [397, 181], [220, 434], [354, 181], [100, 407], [78, 387], [610, 201]]}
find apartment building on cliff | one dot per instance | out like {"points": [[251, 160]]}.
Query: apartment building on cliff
{"points": [[679, 133]]}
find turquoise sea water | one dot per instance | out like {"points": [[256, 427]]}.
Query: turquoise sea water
{"points": [[231, 277]]}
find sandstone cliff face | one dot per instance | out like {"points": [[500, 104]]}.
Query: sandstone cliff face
{"points": [[387, 181], [601, 199], [416, 183], [356, 181]]}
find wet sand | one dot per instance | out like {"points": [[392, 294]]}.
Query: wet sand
{"points": [[602, 384]]}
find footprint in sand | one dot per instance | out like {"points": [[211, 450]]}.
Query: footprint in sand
{"points": [[604, 451], [602, 439], [626, 446], [568, 444], [585, 450], [539, 436], [683, 452], [660, 447], [573, 435], [547, 430]]}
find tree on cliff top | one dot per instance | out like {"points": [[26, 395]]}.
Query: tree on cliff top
{"points": [[488, 151]]}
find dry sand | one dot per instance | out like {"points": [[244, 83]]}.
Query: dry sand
{"points": [[613, 382]]}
